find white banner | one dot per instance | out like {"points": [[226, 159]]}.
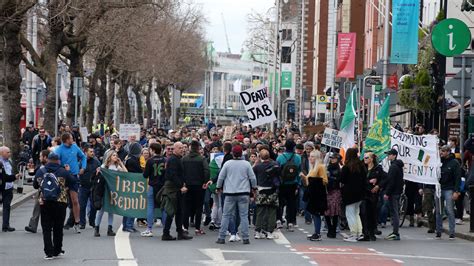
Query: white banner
{"points": [[258, 106], [333, 138], [84, 133], [128, 130], [420, 155], [228, 132]]}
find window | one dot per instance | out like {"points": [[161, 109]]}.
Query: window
{"points": [[231, 87], [286, 35], [286, 55]]}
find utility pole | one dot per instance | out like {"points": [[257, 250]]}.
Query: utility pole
{"points": [[385, 45], [276, 48], [300, 100]]}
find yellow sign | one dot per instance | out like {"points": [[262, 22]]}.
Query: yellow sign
{"points": [[322, 99], [256, 83]]}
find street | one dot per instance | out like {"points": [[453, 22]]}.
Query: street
{"points": [[292, 248]]}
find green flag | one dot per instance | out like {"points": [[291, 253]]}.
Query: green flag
{"points": [[126, 194], [378, 138]]}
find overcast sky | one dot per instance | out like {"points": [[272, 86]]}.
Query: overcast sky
{"points": [[235, 15]]}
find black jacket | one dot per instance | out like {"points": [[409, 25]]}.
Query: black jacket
{"points": [[155, 171], [379, 174], [267, 174], [354, 185], [393, 185], [133, 164], [450, 174], [174, 171], [227, 157], [316, 196], [334, 176], [89, 173], [195, 169], [4, 178]]}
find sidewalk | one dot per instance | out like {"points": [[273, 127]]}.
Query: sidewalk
{"points": [[462, 231], [18, 199]]}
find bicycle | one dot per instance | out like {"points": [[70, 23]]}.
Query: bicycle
{"points": [[402, 207]]}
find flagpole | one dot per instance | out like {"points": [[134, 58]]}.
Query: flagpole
{"points": [[385, 45]]}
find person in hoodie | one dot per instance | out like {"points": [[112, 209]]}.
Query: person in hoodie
{"points": [[450, 182], [53, 213], [334, 197], [196, 174], [132, 163], [393, 188], [85, 189]]}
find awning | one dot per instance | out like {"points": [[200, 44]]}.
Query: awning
{"points": [[400, 113]]}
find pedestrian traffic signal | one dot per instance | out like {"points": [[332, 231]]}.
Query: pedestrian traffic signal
{"points": [[467, 5], [328, 106]]}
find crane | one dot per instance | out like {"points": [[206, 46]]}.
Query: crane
{"points": [[226, 36]]}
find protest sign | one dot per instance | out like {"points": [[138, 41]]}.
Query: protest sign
{"points": [[420, 155], [333, 138], [84, 133], [126, 193], [228, 132], [258, 106], [128, 130]]}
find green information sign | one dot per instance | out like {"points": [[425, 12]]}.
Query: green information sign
{"points": [[451, 37], [378, 88], [286, 80]]}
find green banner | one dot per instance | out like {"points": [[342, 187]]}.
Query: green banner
{"points": [[286, 80], [125, 193], [378, 138]]}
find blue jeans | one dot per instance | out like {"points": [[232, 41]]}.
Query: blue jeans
{"points": [[150, 209], [127, 222], [317, 223], [84, 196], [99, 215], [447, 199], [230, 204], [382, 210]]}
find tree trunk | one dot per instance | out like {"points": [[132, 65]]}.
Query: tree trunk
{"points": [[149, 108], [125, 114], [91, 99], [76, 69], [109, 110], [139, 116], [10, 80]]}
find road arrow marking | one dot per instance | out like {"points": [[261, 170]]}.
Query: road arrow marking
{"points": [[217, 258]]}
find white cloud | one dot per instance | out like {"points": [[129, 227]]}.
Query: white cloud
{"points": [[235, 14]]}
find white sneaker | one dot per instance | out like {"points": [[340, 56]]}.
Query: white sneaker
{"points": [[279, 224], [77, 230], [271, 236], [259, 235], [290, 227], [237, 238], [232, 238], [459, 222], [147, 233], [159, 223], [351, 239]]}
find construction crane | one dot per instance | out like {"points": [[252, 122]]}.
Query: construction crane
{"points": [[226, 36]]}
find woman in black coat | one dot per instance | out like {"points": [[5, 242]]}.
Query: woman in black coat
{"points": [[354, 182]]}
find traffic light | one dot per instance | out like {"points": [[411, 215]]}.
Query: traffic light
{"points": [[467, 5]]}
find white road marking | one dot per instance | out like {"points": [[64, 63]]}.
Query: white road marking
{"points": [[217, 258], [398, 261], [305, 257], [371, 249], [313, 262], [306, 232], [293, 249], [123, 249], [301, 229], [281, 239], [287, 246]]}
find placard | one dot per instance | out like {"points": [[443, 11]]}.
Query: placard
{"points": [[128, 130], [333, 138], [84, 133], [258, 106], [228, 132]]}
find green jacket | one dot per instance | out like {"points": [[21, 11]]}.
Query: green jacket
{"points": [[168, 198]]}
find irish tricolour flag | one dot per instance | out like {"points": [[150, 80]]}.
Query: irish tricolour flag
{"points": [[348, 123]]}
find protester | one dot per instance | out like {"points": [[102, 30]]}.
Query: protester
{"points": [[155, 173], [72, 159], [132, 163], [54, 182], [334, 197], [85, 190], [236, 186], [392, 188], [315, 195], [450, 186], [173, 194], [290, 164], [7, 177], [35, 216], [353, 179], [40, 142], [111, 162], [267, 173], [196, 174]]}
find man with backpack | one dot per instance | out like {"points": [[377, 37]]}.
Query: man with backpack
{"points": [[53, 182], [290, 164]]}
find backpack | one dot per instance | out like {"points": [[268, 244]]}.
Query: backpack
{"points": [[50, 188], [290, 170]]}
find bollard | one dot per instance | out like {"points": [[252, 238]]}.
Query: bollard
{"points": [[471, 213], [20, 181]]}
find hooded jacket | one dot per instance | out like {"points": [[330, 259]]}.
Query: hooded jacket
{"points": [[393, 185], [65, 178], [450, 174], [196, 169], [133, 161]]}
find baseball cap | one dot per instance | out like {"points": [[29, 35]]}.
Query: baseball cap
{"points": [[53, 156], [237, 150], [392, 152]]}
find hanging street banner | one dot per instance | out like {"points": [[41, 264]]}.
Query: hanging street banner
{"points": [[378, 138], [258, 106], [420, 155], [346, 50], [333, 138], [125, 193], [405, 31], [128, 130], [286, 77]]}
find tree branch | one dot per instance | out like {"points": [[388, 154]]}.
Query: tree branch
{"points": [[27, 44], [29, 66]]}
